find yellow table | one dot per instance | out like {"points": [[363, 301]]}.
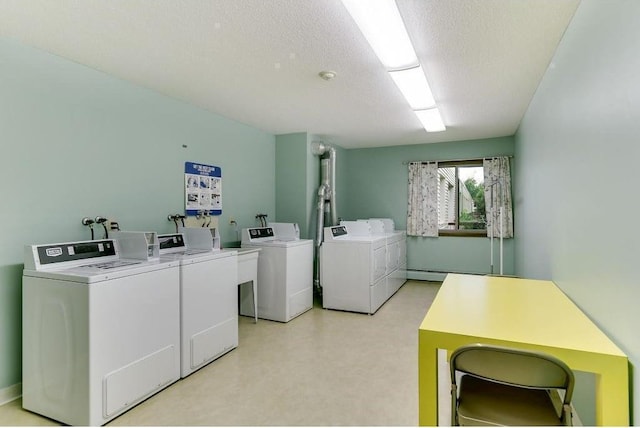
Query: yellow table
{"points": [[519, 313]]}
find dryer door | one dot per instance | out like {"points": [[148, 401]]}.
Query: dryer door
{"points": [[393, 256], [379, 263]]}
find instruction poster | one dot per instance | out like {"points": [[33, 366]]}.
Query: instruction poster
{"points": [[203, 189]]}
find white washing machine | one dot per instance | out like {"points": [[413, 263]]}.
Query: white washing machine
{"points": [[208, 296], [100, 333], [285, 271], [353, 266]]}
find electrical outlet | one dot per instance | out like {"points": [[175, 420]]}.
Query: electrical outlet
{"points": [[112, 224], [232, 221]]}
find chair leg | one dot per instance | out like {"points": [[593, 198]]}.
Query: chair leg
{"points": [[454, 405], [567, 415]]}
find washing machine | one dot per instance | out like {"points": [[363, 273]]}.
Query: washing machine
{"points": [[208, 296], [285, 271], [353, 266], [100, 332]]}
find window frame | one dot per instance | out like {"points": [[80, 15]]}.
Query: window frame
{"points": [[458, 232]]}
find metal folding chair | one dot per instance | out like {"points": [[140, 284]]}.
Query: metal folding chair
{"points": [[508, 387]]}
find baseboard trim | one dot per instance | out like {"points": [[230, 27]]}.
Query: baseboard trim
{"points": [[431, 275], [421, 275], [10, 393]]}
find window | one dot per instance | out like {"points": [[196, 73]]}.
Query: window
{"points": [[461, 207]]}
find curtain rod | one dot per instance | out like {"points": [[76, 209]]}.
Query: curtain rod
{"points": [[456, 160]]}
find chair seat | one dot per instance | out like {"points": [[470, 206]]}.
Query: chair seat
{"points": [[492, 404]]}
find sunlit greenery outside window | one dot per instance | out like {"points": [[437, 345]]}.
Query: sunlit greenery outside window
{"points": [[461, 207]]}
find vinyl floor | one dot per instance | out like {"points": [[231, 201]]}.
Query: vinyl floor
{"points": [[323, 368]]}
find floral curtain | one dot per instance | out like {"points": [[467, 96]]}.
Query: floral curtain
{"points": [[497, 195], [422, 210]]}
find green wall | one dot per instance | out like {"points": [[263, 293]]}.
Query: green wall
{"points": [[577, 151], [298, 179], [377, 180], [76, 143], [292, 151]]}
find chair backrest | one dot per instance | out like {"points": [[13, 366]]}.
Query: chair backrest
{"points": [[513, 366]]}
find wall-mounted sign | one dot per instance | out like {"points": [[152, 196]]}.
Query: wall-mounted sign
{"points": [[202, 189]]}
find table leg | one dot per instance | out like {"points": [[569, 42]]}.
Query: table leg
{"points": [[254, 284], [612, 395], [427, 382]]}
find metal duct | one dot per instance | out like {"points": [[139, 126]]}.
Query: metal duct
{"points": [[326, 199], [328, 175]]}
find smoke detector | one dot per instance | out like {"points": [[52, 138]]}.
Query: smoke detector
{"points": [[327, 75]]}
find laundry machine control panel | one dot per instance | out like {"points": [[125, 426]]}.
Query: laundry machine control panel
{"points": [[258, 234], [265, 232], [171, 241], [338, 231], [53, 254]]}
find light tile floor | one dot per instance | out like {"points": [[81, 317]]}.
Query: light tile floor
{"points": [[322, 368]]}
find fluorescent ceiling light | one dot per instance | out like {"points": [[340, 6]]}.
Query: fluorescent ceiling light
{"points": [[382, 26], [431, 119], [413, 85]]}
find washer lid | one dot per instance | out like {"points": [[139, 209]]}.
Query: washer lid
{"points": [[102, 271], [278, 243]]}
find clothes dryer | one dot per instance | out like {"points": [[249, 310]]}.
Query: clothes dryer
{"points": [[100, 333], [396, 251], [208, 297], [285, 271], [353, 265]]}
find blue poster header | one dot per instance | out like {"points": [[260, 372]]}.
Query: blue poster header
{"points": [[200, 169]]}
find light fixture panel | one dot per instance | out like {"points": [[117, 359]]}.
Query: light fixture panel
{"points": [[413, 85], [382, 26], [431, 120]]}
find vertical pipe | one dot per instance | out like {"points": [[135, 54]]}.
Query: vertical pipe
{"points": [[502, 180], [501, 236], [492, 218], [491, 242], [321, 149], [325, 176], [319, 235], [320, 212], [332, 185], [326, 195]]}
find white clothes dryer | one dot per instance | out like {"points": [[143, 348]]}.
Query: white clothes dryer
{"points": [[353, 265], [100, 333], [285, 271], [208, 297], [396, 251]]}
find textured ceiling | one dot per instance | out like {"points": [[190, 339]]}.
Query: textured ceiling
{"points": [[257, 61]]}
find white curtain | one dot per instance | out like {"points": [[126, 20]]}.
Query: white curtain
{"points": [[497, 195], [422, 210]]}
